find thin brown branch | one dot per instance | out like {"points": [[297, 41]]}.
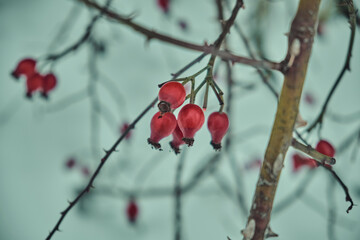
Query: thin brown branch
{"points": [[346, 67], [319, 157], [83, 39], [344, 187], [177, 196], [209, 49]]}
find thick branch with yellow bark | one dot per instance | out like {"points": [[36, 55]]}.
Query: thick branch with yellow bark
{"points": [[300, 41]]}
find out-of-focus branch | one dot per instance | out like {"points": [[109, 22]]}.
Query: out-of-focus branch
{"points": [[177, 195], [346, 67], [209, 49], [84, 38], [299, 49], [296, 194], [244, 39]]}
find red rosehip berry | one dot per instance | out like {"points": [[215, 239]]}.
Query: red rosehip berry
{"points": [[48, 84], [218, 124], [177, 139], [162, 125], [300, 161], [164, 5], [33, 83], [171, 95], [325, 148], [190, 120], [25, 67], [132, 211]]}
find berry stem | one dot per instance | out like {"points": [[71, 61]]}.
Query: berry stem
{"points": [[192, 94], [206, 94]]}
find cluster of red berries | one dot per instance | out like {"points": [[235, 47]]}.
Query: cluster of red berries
{"points": [[323, 147], [190, 119], [34, 80]]}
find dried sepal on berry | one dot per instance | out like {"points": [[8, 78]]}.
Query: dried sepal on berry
{"points": [[190, 120], [162, 125]]}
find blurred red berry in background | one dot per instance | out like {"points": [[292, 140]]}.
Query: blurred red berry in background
{"points": [[132, 211], [25, 67], [164, 5]]}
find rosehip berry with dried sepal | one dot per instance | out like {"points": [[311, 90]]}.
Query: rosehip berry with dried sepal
{"points": [[162, 125], [177, 139], [171, 95], [25, 67], [48, 84], [132, 211], [190, 120], [33, 84], [218, 124]]}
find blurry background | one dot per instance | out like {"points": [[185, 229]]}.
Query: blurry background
{"points": [[98, 92]]}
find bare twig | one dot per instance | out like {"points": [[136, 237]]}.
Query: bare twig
{"points": [[332, 216], [83, 38], [307, 149], [150, 34], [177, 195], [344, 187], [346, 67], [244, 39]]}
